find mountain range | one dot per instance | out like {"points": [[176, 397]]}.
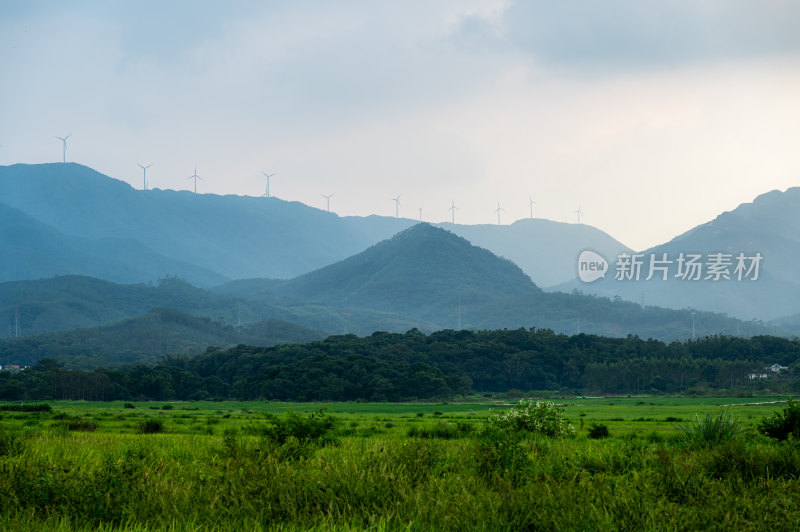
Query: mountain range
{"points": [[83, 250], [424, 277], [74, 220]]}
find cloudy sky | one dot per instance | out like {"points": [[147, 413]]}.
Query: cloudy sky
{"points": [[651, 116]]}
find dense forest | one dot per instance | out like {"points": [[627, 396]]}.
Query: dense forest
{"points": [[396, 367]]}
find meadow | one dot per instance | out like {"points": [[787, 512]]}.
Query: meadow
{"points": [[393, 466]]}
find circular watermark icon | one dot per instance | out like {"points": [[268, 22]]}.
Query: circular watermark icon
{"points": [[591, 266]]}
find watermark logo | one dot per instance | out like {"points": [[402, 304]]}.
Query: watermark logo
{"points": [[713, 267], [688, 266], [591, 266]]}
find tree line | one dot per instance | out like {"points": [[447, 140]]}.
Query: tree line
{"points": [[412, 365]]}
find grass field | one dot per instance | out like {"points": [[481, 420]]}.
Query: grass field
{"points": [[248, 466]]}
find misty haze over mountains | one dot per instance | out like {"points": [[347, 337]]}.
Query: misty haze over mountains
{"points": [[265, 260], [208, 239]]}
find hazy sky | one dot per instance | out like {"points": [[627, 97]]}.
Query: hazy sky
{"points": [[652, 116]]}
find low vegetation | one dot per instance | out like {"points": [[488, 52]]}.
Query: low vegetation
{"points": [[459, 466]]}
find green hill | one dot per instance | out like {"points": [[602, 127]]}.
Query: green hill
{"points": [[147, 338], [420, 272]]}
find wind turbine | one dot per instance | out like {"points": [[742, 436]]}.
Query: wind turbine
{"points": [[420, 214], [397, 206], [579, 212], [268, 176], [453, 210], [498, 210], [328, 199], [64, 147], [531, 203], [144, 174], [195, 177]]}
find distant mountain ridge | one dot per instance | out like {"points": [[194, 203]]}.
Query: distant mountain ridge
{"points": [[34, 250], [207, 239], [546, 250], [769, 226]]}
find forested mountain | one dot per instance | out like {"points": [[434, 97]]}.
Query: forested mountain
{"points": [[147, 338], [424, 278], [420, 272], [464, 286], [71, 301]]}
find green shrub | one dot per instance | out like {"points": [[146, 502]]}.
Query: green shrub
{"points": [[441, 430], [151, 426], [128, 405], [540, 417], [315, 427], [167, 407], [80, 425], [597, 432], [711, 430], [781, 425]]}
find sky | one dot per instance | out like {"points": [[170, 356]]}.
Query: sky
{"points": [[651, 117]]}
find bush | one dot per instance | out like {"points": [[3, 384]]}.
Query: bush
{"points": [[540, 417], [711, 430], [441, 430], [781, 425], [597, 432], [128, 405], [316, 427], [81, 425], [151, 426]]}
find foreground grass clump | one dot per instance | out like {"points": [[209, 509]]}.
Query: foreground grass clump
{"points": [[540, 417], [711, 430], [151, 426]]}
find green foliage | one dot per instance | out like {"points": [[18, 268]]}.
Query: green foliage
{"points": [[10, 443], [80, 425], [598, 431], [441, 430], [29, 407], [151, 426], [782, 425], [540, 417], [316, 427], [402, 367], [490, 479], [711, 430]]}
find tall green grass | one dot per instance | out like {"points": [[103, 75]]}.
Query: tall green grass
{"points": [[245, 475]]}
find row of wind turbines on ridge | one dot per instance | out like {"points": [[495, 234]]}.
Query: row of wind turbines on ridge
{"points": [[327, 197]]}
